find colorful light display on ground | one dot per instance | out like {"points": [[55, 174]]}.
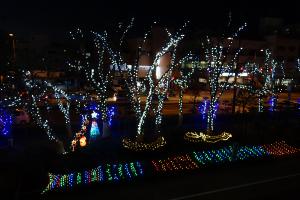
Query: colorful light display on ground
{"points": [[280, 149], [201, 137], [116, 172], [104, 173], [184, 162], [141, 146]]}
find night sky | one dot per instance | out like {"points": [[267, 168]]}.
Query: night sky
{"points": [[60, 16]]}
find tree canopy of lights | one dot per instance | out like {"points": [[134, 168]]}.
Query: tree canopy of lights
{"points": [[92, 62], [184, 79], [219, 59], [31, 101], [64, 106], [9, 96], [154, 86], [265, 77], [35, 92]]}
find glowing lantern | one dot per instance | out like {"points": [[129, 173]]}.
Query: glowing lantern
{"points": [[73, 142], [73, 145], [82, 141]]}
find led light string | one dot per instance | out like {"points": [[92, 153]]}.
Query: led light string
{"points": [[65, 110], [116, 172], [96, 76], [80, 137], [280, 148], [177, 163], [102, 174], [135, 145], [183, 81], [201, 137], [216, 57], [33, 108], [298, 64]]}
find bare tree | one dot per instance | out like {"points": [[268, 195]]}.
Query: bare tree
{"points": [[220, 60], [154, 86], [92, 62]]}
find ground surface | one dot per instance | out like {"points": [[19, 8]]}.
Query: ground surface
{"points": [[24, 168]]}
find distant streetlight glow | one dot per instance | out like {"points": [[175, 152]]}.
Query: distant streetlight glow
{"points": [[243, 74]]}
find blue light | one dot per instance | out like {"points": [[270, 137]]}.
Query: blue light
{"points": [[216, 107], [92, 106], [111, 113], [83, 118], [272, 102], [5, 122], [96, 108], [203, 107], [94, 133]]}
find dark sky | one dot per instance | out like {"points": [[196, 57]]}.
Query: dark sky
{"points": [[63, 15]]}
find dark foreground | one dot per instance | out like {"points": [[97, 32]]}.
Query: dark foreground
{"points": [[258, 180], [24, 168]]}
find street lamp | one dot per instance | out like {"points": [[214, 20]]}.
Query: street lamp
{"points": [[13, 47]]}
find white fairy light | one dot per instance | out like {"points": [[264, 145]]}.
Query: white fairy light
{"points": [[218, 62], [155, 87]]}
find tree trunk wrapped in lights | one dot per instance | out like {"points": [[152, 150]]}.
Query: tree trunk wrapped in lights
{"points": [[35, 92], [183, 81], [65, 109], [154, 87], [33, 99], [265, 80], [262, 82]]}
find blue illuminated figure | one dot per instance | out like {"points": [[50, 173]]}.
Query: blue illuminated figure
{"points": [[5, 122], [272, 103], [94, 132], [111, 113], [204, 107]]}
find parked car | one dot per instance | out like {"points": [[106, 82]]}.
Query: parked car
{"points": [[20, 117]]}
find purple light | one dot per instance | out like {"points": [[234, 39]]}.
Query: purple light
{"points": [[5, 122]]}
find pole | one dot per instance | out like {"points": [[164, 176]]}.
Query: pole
{"points": [[235, 80], [234, 90], [14, 50], [13, 56]]}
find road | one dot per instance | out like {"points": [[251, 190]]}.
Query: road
{"points": [[171, 105]]}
